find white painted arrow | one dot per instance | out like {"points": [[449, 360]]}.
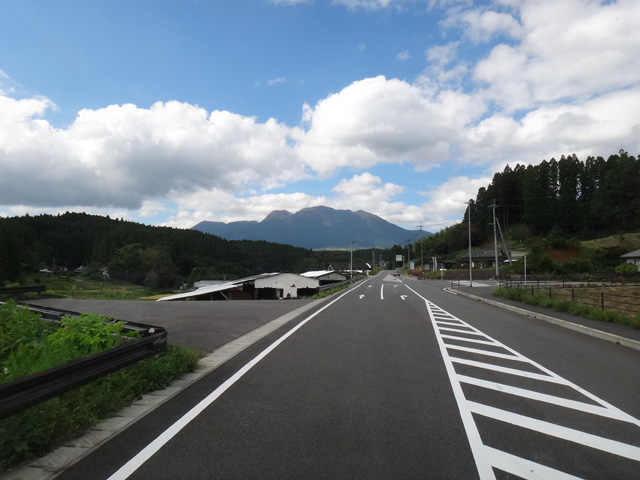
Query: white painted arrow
{"points": [[403, 297], [361, 297]]}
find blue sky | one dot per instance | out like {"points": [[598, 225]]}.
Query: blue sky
{"points": [[173, 112]]}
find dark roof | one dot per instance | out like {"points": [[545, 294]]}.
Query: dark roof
{"points": [[485, 252]]}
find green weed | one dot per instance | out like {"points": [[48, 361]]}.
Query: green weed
{"points": [[563, 305], [52, 344], [38, 429]]}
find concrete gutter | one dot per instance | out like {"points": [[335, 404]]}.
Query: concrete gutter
{"points": [[609, 337]]}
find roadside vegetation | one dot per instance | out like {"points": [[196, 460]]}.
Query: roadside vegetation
{"points": [[557, 300], [29, 344], [330, 291]]}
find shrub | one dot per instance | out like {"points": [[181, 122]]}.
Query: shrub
{"points": [[40, 428], [626, 269], [73, 338]]}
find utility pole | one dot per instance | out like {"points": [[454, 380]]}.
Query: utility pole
{"points": [[351, 262], [495, 239], [470, 265], [421, 259]]}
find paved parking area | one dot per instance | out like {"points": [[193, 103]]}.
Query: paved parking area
{"points": [[203, 325]]}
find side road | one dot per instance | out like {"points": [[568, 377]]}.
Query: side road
{"points": [[612, 332]]}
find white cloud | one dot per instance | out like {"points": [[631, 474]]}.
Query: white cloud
{"points": [[368, 4], [483, 26], [151, 208], [290, 2], [274, 81], [600, 126], [384, 121], [122, 155], [224, 206], [567, 82], [574, 49], [403, 55], [448, 199], [443, 54]]}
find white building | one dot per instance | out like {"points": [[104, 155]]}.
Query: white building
{"points": [[326, 277], [258, 287]]}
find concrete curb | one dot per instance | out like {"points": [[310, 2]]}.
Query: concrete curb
{"points": [[51, 465], [609, 337]]}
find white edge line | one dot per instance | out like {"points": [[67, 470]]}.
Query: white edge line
{"points": [[137, 461]]}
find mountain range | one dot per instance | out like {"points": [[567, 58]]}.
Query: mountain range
{"points": [[316, 228]]}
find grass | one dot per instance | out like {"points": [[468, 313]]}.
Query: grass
{"points": [[84, 287], [631, 241], [29, 344], [331, 291], [565, 305]]}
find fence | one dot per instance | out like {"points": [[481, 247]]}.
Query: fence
{"points": [[593, 295]]}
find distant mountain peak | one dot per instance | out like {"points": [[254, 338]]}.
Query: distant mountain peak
{"points": [[277, 215], [316, 227]]}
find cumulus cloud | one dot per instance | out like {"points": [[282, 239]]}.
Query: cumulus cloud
{"points": [[379, 120], [224, 206], [566, 82], [482, 26], [572, 49], [122, 155], [449, 199]]}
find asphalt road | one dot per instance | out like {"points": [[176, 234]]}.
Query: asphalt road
{"points": [[396, 379]]}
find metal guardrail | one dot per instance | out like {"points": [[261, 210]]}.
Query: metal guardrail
{"points": [[32, 389], [21, 289]]}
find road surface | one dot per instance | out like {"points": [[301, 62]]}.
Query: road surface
{"points": [[396, 378]]}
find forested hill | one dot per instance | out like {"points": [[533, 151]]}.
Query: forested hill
{"points": [[556, 198], [572, 196], [155, 256]]}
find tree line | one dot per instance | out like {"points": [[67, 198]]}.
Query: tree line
{"points": [[566, 198], [146, 255]]}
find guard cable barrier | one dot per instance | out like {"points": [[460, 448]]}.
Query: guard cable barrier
{"points": [[32, 389]]}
